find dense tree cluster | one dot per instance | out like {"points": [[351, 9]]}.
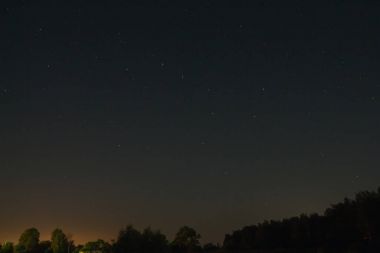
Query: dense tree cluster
{"points": [[352, 224], [131, 240]]}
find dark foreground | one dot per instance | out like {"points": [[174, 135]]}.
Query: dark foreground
{"points": [[351, 226]]}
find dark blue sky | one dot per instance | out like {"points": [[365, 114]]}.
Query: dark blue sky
{"points": [[211, 115]]}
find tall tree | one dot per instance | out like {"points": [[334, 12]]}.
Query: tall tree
{"points": [[153, 241], [186, 239], [28, 241], [129, 240], [59, 242]]}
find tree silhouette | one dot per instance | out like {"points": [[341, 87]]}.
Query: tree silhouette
{"points": [[351, 224], [28, 241], [129, 240], [59, 242], [6, 248], [186, 240], [153, 241]]}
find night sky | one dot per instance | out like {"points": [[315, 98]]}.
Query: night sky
{"points": [[206, 114]]}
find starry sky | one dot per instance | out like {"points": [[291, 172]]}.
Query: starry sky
{"points": [[213, 115]]}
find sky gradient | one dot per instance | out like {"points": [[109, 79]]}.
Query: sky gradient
{"points": [[208, 115]]}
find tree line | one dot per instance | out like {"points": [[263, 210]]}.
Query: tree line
{"points": [[129, 240], [353, 224]]}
